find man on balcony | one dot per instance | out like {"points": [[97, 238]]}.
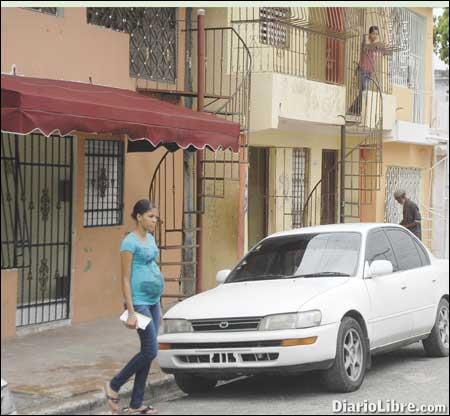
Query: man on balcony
{"points": [[371, 50], [411, 214]]}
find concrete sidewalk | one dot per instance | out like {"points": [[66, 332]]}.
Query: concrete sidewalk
{"points": [[63, 370]]}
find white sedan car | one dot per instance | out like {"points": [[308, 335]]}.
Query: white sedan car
{"points": [[322, 298]]}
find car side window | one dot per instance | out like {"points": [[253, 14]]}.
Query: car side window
{"points": [[424, 257], [405, 249], [379, 248]]}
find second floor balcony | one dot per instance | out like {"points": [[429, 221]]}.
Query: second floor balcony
{"points": [[307, 62]]}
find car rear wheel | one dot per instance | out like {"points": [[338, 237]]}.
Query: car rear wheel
{"points": [[191, 384], [437, 344], [349, 368]]}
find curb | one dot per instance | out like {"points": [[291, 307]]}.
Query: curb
{"points": [[161, 389]]}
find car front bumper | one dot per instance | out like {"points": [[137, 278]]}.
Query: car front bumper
{"points": [[244, 353]]}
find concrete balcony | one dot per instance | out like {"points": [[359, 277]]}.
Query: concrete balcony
{"points": [[277, 97], [289, 102]]}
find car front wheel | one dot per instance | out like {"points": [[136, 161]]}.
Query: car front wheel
{"points": [[191, 384], [437, 344], [349, 368]]}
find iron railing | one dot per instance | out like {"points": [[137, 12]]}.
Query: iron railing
{"points": [[227, 95], [278, 46]]}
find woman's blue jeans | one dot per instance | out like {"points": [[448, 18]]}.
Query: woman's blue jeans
{"points": [[140, 364]]}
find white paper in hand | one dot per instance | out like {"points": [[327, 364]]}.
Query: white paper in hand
{"points": [[142, 320]]}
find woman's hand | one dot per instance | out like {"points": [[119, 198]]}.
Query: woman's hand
{"points": [[132, 322]]}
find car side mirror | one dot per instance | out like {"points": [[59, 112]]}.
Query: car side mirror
{"points": [[381, 268], [222, 276]]}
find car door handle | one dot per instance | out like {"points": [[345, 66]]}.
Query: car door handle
{"points": [[404, 287]]}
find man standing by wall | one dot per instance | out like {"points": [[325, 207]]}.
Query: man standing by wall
{"points": [[411, 214]]}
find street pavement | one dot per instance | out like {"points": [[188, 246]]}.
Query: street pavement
{"points": [[404, 376]]}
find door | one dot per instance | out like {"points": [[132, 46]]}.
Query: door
{"points": [[389, 320], [416, 272], [258, 194], [335, 47], [44, 167], [329, 187]]}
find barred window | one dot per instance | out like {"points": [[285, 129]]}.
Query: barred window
{"points": [[300, 178], [153, 38], [408, 62], [273, 31], [103, 198]]}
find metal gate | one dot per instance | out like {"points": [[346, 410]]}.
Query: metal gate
{"points": [[41, 203], [408, 179]]}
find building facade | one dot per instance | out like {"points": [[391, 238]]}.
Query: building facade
{"points": [[66, 201], [319, 143]]}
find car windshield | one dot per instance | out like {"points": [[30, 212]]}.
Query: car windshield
{"points": [[300, 256]]}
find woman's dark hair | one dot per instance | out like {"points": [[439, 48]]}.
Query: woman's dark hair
{"points": [[373, 29], [141, 207]]}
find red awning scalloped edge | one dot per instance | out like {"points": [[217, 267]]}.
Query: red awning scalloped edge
{"points": [[35, 105]]}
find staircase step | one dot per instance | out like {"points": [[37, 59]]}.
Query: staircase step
{"points": [[176, 296], [176, 263], [177, 247], [211, 178]]}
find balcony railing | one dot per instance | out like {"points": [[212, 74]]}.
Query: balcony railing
{"points": [[279, 47]]}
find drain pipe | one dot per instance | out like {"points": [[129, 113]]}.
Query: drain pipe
{"points": [[200, 105], [342, 172]]}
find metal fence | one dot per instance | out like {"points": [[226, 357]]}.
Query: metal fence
{"points": [[276, 45]]}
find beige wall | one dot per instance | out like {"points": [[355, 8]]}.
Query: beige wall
{"points": [[67, 48], [96, 276], [8, 303], [276, 96]]}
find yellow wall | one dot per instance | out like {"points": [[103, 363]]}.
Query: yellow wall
{"points": [[220, 234], [402, 155]]}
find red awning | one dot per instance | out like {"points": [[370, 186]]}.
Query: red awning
{"points": [[62, 107]]}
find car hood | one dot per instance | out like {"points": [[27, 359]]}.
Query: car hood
{"points": [[253, 299]]}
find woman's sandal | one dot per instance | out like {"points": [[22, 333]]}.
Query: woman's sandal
{"points": [[147, 410], [112, 401]]}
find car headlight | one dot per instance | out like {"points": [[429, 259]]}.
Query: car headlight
{"points": [[176, 326], [291, 321]]}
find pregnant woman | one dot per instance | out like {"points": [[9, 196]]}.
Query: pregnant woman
{"points": [[142, 286]]}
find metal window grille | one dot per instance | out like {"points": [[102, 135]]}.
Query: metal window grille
{"points": [[15, 233], [300, 177], [153, 38], [408, 179], [272, 31], [46, 10], [103, 199], [408, 62]]}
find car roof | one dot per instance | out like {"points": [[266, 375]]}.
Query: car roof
{"points": [[358, 227]]}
